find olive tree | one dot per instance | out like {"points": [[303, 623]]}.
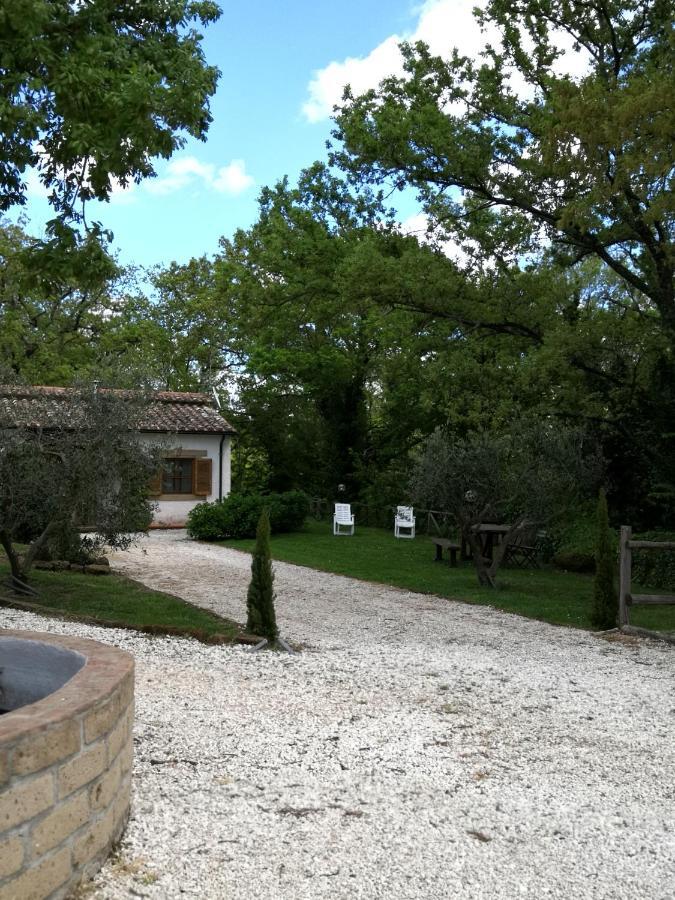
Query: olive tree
{"points": [[77, 462], [527, 476]]}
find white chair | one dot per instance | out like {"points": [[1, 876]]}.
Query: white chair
{"points": [[404, 520], [343, 517]]}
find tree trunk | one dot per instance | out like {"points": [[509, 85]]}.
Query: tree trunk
{"points": [[37, 545], [499, 551], [20, 566], [485, 579], [15, 563]]}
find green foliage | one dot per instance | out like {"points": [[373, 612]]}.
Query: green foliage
{"points": [[605, 598], [287, 511], [261, 617], [584, 162], [654, 569], [91, 92], [576, 540], [309, 295], [531, 474], [53, 308], [574, 561], [558, 190], [66, 544], [88, 465], [237, 515]]}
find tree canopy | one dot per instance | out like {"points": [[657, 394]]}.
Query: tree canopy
{"points": [[529, 474], [342, 343], [90, 92], [511, 157]]}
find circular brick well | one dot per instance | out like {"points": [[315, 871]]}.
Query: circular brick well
{"points": [[65, 760]]}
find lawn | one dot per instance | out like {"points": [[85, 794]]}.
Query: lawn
{"points": [[373, 554], [114, 600]]}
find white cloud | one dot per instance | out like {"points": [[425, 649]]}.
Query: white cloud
{"points": [[233, 179], [121, 195], [181, 172], [325, 88], [188, 170], [443, 25]]}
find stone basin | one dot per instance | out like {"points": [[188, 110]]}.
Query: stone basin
{"points": [[30, 670], [65, 760]]}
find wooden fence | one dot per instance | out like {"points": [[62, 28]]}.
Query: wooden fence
{"points": [[626, 597]]}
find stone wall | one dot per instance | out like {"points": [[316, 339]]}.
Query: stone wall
{"points": [[65, 775]]}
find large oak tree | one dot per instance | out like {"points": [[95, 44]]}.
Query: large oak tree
{"points": [[511, 156]]}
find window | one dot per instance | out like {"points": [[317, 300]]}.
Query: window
{"points": [[177, 477], [183, 477]]}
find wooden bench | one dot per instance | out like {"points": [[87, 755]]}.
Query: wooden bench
{"points": [[452, 547]]}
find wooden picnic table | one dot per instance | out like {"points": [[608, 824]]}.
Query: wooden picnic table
{"points": [[487, 532], [490, 533]]}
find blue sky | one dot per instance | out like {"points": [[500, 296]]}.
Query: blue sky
{"points": [[268, 54], [283, 67]]}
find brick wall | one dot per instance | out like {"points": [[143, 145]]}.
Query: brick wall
{"points": [[65, 775]]}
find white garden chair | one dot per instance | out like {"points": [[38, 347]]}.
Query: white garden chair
{"points": [[343, 517], [404, 522]]}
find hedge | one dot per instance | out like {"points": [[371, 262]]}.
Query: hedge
{"points": [[237, 515]]}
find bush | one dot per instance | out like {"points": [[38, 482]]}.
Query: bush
{"points": [[574, 562], [237, 515], [576, 543], [654, 568], [288, 511]]}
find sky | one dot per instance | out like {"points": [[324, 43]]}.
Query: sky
{"points": [[283, 67]]}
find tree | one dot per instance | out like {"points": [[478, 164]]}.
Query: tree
{"points": [[528, 476], [175, 338], [90, 92], [511, 156], [605, 598], [89, 465], [52, 316], [309, 293], [261, 617]]}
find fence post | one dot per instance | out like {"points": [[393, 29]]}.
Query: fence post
{"points": [[624, 573]]}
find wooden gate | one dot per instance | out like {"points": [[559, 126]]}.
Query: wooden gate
{"points": [[626, 597]]}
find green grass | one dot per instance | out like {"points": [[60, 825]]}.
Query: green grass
{"points": [[372, 554], [114, 600]]}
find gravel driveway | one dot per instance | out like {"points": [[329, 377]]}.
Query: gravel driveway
{"points": [[416, 748]]}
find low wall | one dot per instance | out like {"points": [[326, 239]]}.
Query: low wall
{"points": [[65, 773]]}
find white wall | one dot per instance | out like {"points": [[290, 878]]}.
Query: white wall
{"points": [[174, 512]]}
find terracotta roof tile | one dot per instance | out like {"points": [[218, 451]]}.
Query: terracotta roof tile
{"points": [[166, 411]]}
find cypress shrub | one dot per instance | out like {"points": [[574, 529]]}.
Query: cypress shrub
{"points": [[261, 618], [605, 599]]}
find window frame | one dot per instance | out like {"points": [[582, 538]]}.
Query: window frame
{"points": [[186, 494], [203, 471]]}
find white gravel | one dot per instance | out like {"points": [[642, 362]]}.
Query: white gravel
{"points": [[416, 748]]}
